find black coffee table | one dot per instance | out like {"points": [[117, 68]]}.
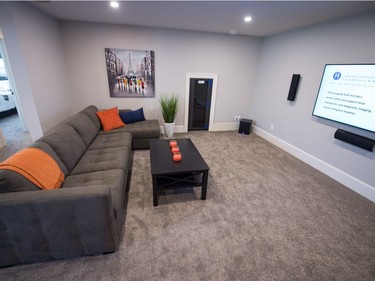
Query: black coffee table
{"points": [[166, 174]]}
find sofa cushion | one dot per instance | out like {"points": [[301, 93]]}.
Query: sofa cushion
{"points": [[11, 181], [110, 119], [66, 143], [90, 111], [112, 141], [114, 179], [103, 160], [85, 127], [133, 116], [46, 148], [140, 130], [37, 166]]}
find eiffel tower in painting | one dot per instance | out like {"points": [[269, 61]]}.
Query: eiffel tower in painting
{"points": [[130, 69]]}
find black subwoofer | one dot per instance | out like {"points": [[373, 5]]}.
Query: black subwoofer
{"points": [[245, 126]]}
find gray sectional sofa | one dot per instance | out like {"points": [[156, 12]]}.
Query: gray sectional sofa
{"points": [[85, 215]]}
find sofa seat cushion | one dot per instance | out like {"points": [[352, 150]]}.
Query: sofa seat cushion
{"points": [[102, 160], [114, 179], [147, 129], [66, 143], [112, 141]]}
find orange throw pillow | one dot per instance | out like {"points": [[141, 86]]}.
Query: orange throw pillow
{"points": [[110, 119]]}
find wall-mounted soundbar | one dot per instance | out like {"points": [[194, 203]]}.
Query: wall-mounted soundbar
{"points": [[354, 139], [293, 87]]}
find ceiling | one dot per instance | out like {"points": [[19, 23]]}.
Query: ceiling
{"points": [[268, 17]]}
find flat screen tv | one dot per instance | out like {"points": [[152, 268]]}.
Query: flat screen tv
{"points": [[347, 95]]}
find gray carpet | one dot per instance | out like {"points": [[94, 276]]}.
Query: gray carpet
{"points": [[268, 216], [15, 136]]}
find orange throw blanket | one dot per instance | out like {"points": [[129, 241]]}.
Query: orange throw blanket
{"points": [[37, 166]]}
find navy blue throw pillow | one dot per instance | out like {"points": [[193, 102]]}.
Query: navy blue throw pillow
{"points": [[132, 116]]}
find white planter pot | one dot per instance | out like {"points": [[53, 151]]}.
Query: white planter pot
{"points": [[169, 129]]}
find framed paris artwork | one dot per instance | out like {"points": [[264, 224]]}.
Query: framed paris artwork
{"points": [[131, 73]]}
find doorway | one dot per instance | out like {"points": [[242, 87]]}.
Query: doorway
{"points": [[200, 96], [13, 131], [199, 103]]}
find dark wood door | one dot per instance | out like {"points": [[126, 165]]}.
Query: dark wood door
{"points": [[199, 103]]}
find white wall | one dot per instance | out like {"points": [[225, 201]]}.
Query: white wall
{"points": [[59, 74], [306, 51], [13, 51], [234, 58], [34, 49]]}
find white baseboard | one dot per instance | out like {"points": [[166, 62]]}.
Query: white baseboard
{"points": [[2, 139], [351, 182], [215, 127], [224, 127], [177, 129]]}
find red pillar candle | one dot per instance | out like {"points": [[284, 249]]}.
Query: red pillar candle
{"points": [[172, 143], [177, 157], [175, 149]]}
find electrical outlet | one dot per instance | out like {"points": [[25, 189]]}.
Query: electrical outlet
{"points": [[237, 118], [272, 127]]}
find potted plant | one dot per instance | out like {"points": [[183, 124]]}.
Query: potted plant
{"points": [[169, 106]]}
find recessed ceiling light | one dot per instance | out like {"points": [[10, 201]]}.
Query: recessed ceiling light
{"points": [[114, 4], [247, 19]]}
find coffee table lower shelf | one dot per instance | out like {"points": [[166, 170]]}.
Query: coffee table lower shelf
{"points": [[181, 180]]}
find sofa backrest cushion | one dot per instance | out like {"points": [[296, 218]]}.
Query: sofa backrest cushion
{"points": [[90, 111], [12, 181], [66, 143], [85, 127], [47, 149]]}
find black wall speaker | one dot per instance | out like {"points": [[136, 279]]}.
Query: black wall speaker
{"points": [[354, 139], [245, 125], [293, 87]]}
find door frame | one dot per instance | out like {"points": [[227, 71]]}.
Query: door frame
{"points": [[189, 76], [11, 83]]}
